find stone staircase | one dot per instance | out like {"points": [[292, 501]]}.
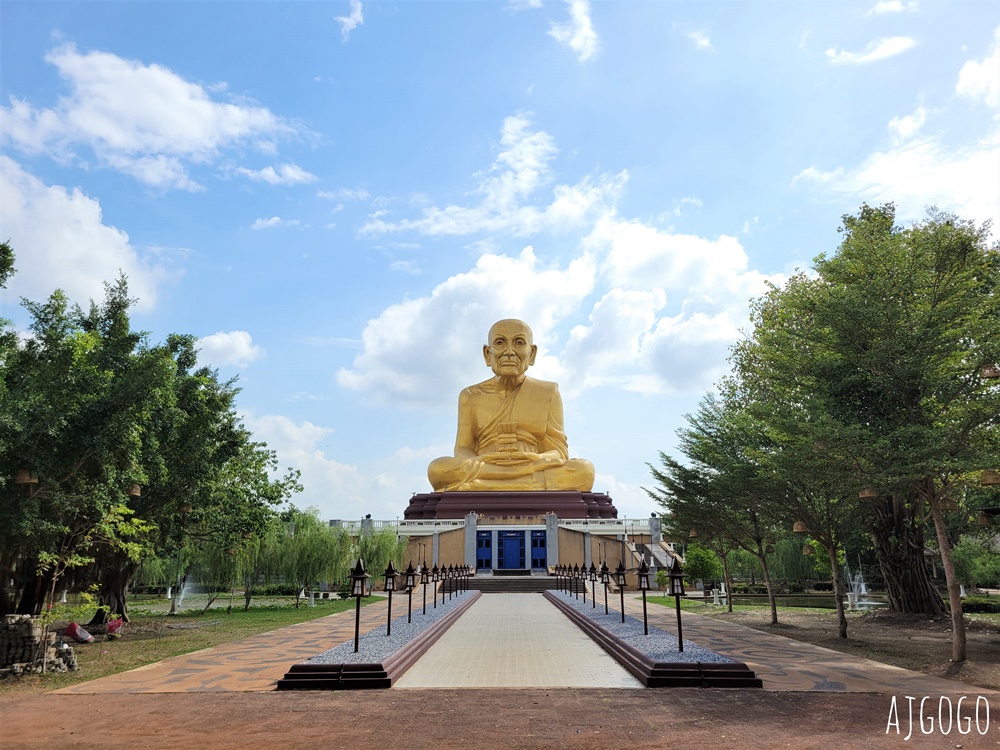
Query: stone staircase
{"points": [[523, 584]]}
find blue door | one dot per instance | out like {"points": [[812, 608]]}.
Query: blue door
{"points": [[484, 550], [538, 556], [511, 550]]}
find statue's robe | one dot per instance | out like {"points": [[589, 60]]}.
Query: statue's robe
{"points": [[527, 420]]}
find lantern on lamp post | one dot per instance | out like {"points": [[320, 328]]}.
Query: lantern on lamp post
{"points": [[605, 580], [435, 577], [411, 582], [425, 578], [620, 580], [644, 587], [677, 591], [390, 586], [358, 578], [576, 580]]}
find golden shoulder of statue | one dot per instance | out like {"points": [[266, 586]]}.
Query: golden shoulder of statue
{"points": [[510, 427]]}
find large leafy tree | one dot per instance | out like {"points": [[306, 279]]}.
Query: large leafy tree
{"points": [[114, 449], [874, 366], [76, 393], [721, 490]]}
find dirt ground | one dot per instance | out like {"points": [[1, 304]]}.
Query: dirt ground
{"points": [[916, 642], [583, 719], [445, 719]]}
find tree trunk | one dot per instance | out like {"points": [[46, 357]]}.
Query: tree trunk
{"points": [[112, 597], [898, 538], [958, 652], [838, 591], [32, 594], [767, 582]]}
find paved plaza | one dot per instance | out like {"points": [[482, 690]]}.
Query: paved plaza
{"points": [[256, 663], [224, 697]]}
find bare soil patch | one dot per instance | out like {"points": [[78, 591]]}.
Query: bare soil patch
{"points": [[917, 642]]}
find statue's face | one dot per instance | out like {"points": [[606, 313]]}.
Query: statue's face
{"points": [[510, 352]]}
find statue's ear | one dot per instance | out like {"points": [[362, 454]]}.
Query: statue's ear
{"points": [[487, 356], [534, 351]]}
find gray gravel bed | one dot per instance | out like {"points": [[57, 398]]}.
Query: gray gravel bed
{"points": [[374, 646], [658, 645]]}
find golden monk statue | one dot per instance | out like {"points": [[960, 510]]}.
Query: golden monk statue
{"points": [[510, 427]]}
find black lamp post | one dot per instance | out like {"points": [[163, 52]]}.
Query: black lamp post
{"points": [[593, 586], [425, 578], [411, 581], [605, 580], [620, 580], [435, 577], [677, 591], [358, 578], [390, 586], [576, 578], [450, 577], [583, 582], [644, 587], [559, 585]]}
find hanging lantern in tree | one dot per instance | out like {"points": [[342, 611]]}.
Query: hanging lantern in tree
{"points": [[799, 527], [135, 491], [988, 478], [989, 371], [693, 534], [25, 477], [946, 503], [867, 493], [808, 550]]}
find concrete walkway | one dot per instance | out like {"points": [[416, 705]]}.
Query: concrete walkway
{"points": [[515, 640]]}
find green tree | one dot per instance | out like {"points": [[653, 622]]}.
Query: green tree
{"points": [[877, 362], [701, 564], [75, 396]]}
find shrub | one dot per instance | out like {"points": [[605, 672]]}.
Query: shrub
{"points": [[981, 605]]}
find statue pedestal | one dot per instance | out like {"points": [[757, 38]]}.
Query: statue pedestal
{"points": [[564, 503]]}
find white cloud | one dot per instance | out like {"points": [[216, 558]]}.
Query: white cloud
{"points": [[417, 352], [908, 126], [893, 6], [350, 22], [700, 39], [274, 221], [920, 173], [981, 79], [228, 348], [349, 194], [338, 489], [144, 120], [577, 33], [516, 5], [878, 49], [61, 241], [405, 266], [521, 167], [285, 174]]}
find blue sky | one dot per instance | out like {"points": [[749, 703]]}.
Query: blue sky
{"points": [[340, 197]]}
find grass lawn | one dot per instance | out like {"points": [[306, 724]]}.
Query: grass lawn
{"points": [[151, 636]]}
